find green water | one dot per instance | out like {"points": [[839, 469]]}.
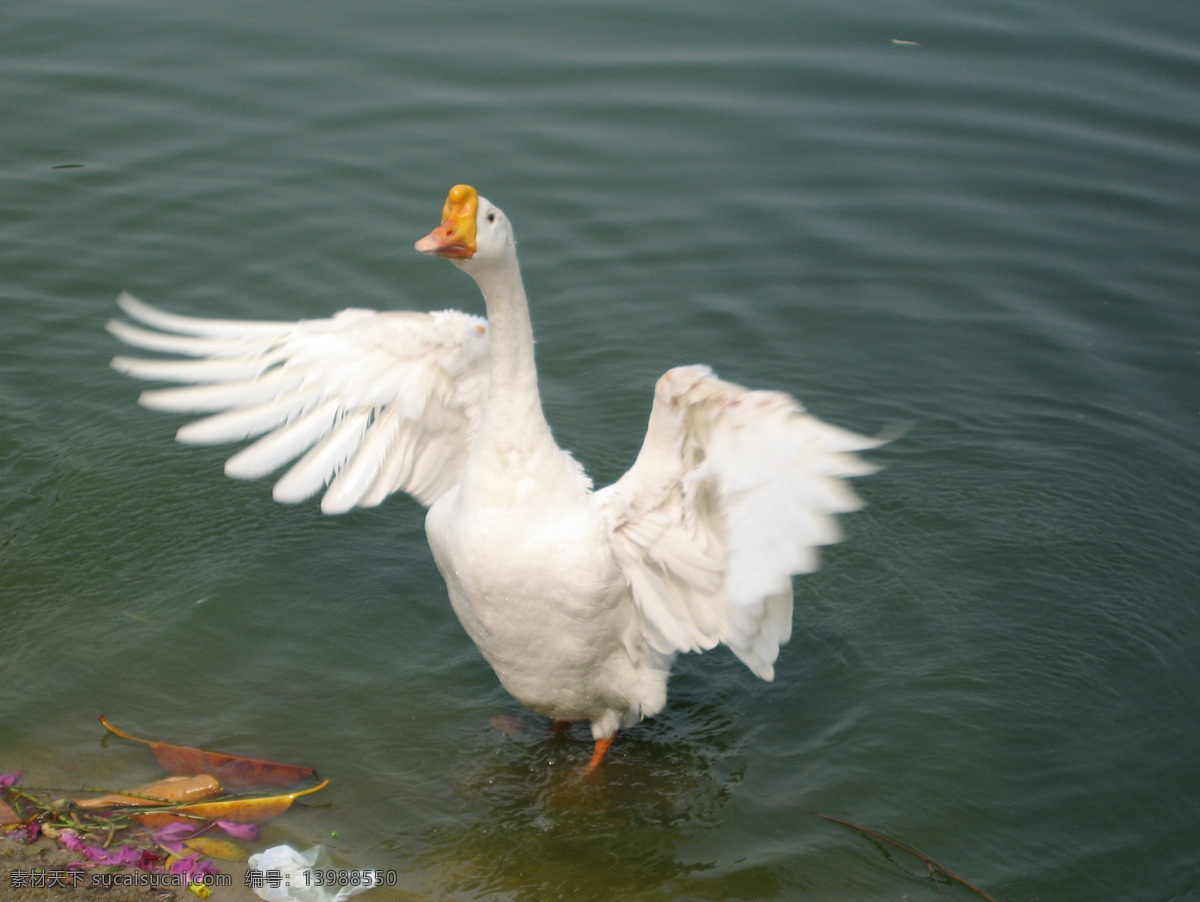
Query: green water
{"points": [[988, 232]]}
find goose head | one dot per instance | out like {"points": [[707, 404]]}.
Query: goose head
{"points": [[474, 233]]}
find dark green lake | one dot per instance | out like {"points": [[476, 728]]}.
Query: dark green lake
{"points": [[977, 221]]}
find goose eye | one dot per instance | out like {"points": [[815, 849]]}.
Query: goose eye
{"points": [[491, 217]]}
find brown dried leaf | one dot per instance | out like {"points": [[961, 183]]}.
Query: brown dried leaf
{"points": [[7, 815], [232, 770]]}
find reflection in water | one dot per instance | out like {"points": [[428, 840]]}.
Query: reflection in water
{"points": [[542, 829]]}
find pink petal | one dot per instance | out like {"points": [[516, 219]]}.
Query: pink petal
{"points": [[119, 855], [174, 832], [26, 832], [10, 779], [127, 855], [69, 839], [149, 861], [239, 831]]}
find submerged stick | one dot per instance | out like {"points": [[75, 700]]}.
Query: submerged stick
{"points": [[933, 866]]}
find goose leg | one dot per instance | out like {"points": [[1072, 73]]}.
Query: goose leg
{"points": [[601, 750]]}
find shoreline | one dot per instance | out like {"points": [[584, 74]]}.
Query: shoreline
{"points": [[20, 860]]}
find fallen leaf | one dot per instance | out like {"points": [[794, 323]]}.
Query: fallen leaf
{"points": [[234, 771], [7, 815], [156, 820], [224, 849], [506, 723], [163, 792], [240, 811]]}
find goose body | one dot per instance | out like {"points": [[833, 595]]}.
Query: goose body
{"points": [[578, 599]]}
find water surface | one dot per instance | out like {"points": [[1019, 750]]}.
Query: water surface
{"points": [[979, 222]]}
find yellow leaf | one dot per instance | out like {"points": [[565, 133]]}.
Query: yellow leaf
{"points": [[163, 792], [216, 848], [241, 811]]}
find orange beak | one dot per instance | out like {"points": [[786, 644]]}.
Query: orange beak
{"points": [[455, 237]]}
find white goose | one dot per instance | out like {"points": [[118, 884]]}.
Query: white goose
{"points": [[579, 599]]}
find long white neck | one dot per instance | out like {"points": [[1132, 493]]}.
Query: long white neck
{"points": [[513, 415]]}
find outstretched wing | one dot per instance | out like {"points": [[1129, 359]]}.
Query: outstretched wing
{"points": [[731, 494], [371, 403]]}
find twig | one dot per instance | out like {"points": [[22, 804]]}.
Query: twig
{"points": [[933, 866], [62, 791]]}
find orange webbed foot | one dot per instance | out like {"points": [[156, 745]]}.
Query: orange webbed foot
{"points": [[602, 746]]}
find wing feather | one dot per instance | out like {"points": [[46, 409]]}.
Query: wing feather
{"points": [[194, 325], [732, 493], [185, 345], [312, 472], [219, 396], [364, 403], [283, 445], [356, 478]]}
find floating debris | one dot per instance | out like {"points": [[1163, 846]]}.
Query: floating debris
{"points": [[164, 827]]}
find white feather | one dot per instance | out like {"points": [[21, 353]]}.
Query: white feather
{"points": [[186, 345], [246, 422], [191, 325], [194, 371], [425, 373], [287, 443], [731, 495], [219, 396], [356, 478], [315, 469]]}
